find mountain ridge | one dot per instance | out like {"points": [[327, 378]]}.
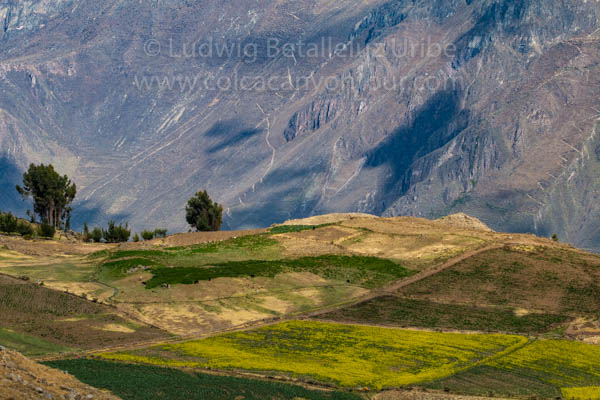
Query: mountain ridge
{"points": [[505, 132]]}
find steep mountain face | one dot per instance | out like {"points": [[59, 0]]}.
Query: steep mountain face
{"points": [[291, 108]]}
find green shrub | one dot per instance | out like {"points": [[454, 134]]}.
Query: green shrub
{"points": [[24, 228], [8, 223], [46, 230], [160, 233], [136, 238], [96, 235], [147, 235], [11, 224], [87, 237], [116, 233]]}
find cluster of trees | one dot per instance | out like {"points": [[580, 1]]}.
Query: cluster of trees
{"points": [[149, 235], [13, 225], [112, 234], [52, 195]]}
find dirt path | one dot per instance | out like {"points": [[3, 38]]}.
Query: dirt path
{"points": [[394, 287]]}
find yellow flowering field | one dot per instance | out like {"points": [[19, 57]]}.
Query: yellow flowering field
{"points": [[348, 355], [560, 363], [582, 393]]}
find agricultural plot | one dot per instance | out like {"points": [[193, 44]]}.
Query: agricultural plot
{"points": [[36, 320], [214, 286], [249, 256], [364, 271], [404, 312], [544, 368], [581, 393], [344, 355], [29, 345], [139, 382], [551, 280]]}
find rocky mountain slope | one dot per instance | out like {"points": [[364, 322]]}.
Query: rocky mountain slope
{"points": [[407, 107]]}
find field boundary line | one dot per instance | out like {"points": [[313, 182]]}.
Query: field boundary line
{"points": [[395, 286]]}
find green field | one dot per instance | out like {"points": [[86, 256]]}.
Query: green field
{"points": [[365, 271], [29, 345], [397, 311], [139, 382], [114, 265], [248, 256], [345, 355]]}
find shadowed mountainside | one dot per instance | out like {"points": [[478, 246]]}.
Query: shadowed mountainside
{"points": [[500, 124]]}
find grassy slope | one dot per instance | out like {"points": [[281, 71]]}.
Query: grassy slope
{"points": [[137, 382], [29, 345], [396, 311], [61, 319], [544, 279]]}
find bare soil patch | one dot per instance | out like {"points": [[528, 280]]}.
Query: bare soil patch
{"points": [[329, 219]]}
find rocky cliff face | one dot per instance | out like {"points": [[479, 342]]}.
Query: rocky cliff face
{"points": [[392, 107]]}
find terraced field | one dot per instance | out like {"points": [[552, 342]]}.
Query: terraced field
{"points": [[406, 312], [353, 306], [36, 321], [355, 356], [345, 355], [544, 368], [545, 279]]}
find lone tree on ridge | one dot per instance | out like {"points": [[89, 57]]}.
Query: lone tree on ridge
{"points": [[52, 194], [203, 214]]}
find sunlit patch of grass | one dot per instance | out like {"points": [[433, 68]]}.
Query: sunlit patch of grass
{"points": [[295, 228], [29, 345], [119, 268]]}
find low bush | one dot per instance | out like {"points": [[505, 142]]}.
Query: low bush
{"points": [[96, 235], [8, 223], [46, 230], [160, 233], [116, 233], [147, 235], [25, 228]]}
